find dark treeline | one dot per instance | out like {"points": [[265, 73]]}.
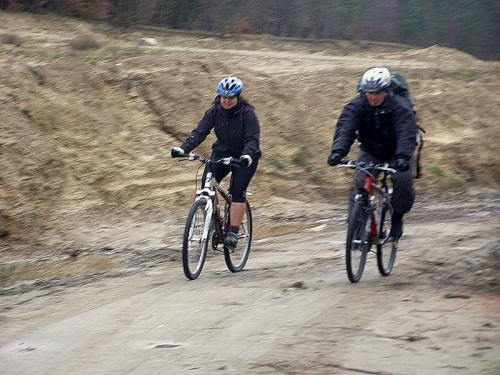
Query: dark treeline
{"points": [[469, 25]]}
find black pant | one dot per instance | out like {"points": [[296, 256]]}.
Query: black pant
{"points": [[241, 177], [403, 195]]}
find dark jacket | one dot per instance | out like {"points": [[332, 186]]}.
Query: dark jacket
{"points": [[387, 131], [237, 130]]}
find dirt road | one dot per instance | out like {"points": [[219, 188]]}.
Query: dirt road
{"points": [[292, 311]]}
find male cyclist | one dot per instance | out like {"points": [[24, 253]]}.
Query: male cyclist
{"points": [[385, 125]]}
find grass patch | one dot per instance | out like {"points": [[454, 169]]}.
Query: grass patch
{"points": [[43, 127], [275, 163], [449, 178], [27, 113], [299, 159]]}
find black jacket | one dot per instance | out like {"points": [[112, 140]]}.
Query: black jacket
{"points": [[387, 131], [238, 131]]}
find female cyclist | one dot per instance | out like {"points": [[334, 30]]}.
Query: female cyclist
{"points": [[238, 136]]}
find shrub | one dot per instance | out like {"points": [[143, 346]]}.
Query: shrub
{"points": [[84, 41], [14, 39]]}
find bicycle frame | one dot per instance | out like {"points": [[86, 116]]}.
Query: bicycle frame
{"points": [[209, 193], [368, 190], [221, 222], [369, 187]]}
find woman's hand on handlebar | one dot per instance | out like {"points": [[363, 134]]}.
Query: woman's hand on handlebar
{"points": [[175, 152]]}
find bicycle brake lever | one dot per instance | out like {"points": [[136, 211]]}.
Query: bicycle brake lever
{"points": [[227, 161], [346, 164]]}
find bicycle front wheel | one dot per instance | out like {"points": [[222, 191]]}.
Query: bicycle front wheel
{"points": [[194, 247], [358, 240], [386, 250], [237, 258]]}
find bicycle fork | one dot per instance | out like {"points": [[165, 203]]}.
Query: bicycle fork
{"points": [[207, 194], [374, 222], [209, 209]]}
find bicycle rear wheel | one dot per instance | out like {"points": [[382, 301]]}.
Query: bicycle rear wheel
{"points": [[237, 258], [358, 240], [386, 251], [194, 247]]}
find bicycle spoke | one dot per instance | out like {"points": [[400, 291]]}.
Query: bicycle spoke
{"points": [[386, 247], [194, 249], [358, 241], [236, 258]]}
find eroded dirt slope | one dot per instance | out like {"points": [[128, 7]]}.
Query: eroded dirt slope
{"points": [[86, 134]]}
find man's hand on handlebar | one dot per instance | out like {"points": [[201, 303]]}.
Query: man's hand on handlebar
{"points": [[334, 158], [401, 165]]}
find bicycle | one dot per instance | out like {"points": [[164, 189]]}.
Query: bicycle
{"points": [[370, 221], [207, 221]]}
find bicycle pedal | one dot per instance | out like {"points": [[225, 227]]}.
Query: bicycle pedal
{"points": [[387, 240], [230, 249]]}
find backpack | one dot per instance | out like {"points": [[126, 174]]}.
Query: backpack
{"points": [[400, 87]]}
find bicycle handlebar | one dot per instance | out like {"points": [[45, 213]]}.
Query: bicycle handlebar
{"points": [[363, 166], [226, 161]]}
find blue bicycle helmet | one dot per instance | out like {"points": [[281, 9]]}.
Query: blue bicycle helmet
{"points": [[230, 86], [374, 80]]}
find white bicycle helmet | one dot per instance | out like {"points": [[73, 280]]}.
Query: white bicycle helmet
{"points": [[374, 80], [230, 86]]}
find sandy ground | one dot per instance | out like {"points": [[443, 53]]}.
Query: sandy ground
{"points": [[291, 311]]}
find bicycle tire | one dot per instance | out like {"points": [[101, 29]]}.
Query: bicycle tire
{"points": [[194, 248], [386, 251], [358, 240], [237, 258]]}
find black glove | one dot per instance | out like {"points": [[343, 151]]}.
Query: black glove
{"points": [[176, 152], [334, 158], [402, 165], [244, 161]]}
